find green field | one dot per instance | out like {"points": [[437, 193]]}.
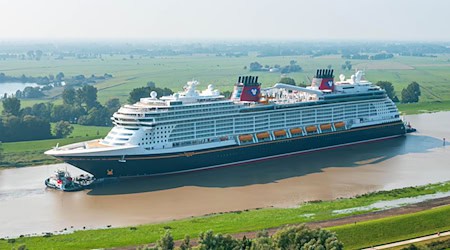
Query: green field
{"points": [[392, 229], [239, 221], [432, 73], [27, 153]]}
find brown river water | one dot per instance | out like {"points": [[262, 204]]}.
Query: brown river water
{"points": [[27, 207]]}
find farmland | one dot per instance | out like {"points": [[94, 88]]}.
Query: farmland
{"points": [[432, 73]]}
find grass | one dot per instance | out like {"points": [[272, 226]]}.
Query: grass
{"points": [[424, 107], [233, 222], [174, 71], [28, 153], [393, 229]]}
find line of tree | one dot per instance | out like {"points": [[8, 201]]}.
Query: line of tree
{"points": [[41, 80], [410, 94], [289, 237], [347, 65], [389, 88], [17, 127], [138, 93], [292, 67], [379, 56], [48, 82], [33, 123]]}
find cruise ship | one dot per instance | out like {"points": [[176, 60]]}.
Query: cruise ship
{"points": [[195, 130]]}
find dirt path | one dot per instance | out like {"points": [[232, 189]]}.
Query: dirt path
{"points": [[412, 208], [410, 241]]}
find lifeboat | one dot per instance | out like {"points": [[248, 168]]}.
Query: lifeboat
{"points": [[245, 138], [263, 135], [295, 131], [311, 129], [325, 127], [339, 124], [279, 133]]}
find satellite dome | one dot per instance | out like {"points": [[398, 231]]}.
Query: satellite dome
{"points": [[153, 94]]}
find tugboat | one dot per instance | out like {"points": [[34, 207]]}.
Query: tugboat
{"points": [[409, 128], [62, 180]]}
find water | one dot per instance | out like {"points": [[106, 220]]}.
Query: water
{"points": [[10, 88], [383, 205], [27, 207]]}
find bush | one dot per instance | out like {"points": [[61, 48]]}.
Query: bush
{"points": [[209, 241], [62, 129], [302, 237]]}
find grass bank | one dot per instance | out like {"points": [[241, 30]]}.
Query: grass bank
{"points": [[423, 107], [29, 153], [395, 228], [232, 222]]}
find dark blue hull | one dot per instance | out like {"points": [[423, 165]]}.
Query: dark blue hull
{"points": [[103, 167]]}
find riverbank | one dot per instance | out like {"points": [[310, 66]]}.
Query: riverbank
{"points": [[31, 153], [231, 222], [423, 107]]}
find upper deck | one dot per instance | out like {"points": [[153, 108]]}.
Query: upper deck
{"points": [[247, 97]]}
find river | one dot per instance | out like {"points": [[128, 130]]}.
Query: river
{"points": [[10, 88], [27, 207]]}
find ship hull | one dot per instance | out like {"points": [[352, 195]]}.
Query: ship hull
{"points": [[142, 165]]}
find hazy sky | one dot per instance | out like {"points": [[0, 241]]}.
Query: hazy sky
{"points": [[226, 19]]}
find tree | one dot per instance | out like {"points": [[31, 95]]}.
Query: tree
{"points": [[262, 242], [38, 54], [255, 66], [388, 87], [30, 54], [87, 95], [411, 93], [227, 94], [60, 77], [209, 241], [112, 105], [186, 243], [31, 92], [347, 65], [11, 106], [302, 237], [69, 96], [42, 110], [62, 129], [287, 80], [138, 93], [34, 128], [165, 242], [66, 113], [98, 116]]}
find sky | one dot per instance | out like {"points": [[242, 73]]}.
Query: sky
{"points": [[398, 20]]}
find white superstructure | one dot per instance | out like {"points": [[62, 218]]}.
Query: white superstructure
{"points": [[195, 120]]}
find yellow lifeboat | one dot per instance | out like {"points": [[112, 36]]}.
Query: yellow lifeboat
{"points": [[263, 135], [279, 133], [311, 129], [245, 138], [325, 127], [339, 124], [296, 131]]}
